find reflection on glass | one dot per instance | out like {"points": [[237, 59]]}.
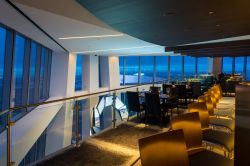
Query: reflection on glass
{"points": [[147, 69], [239, 65], [161, 68], [189, 67], [227, 66], [121, 67], [132, 70], [2, 52], [176, 67], [78, 77]]}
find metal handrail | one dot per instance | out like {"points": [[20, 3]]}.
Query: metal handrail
{"points": [[76, 97]]}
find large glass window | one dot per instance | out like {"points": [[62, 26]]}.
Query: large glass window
{"points": [[248, 69], [121, 68], [32, 72], [239, 65], [203, 64], [189, 67], [18, 70], [176, 67], [2, 52], [147, 69], [227, 66], [132, 70], [42, 72], [78, 78], [161, 68]]}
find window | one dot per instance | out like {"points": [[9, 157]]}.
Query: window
{"points": [[189, 67], [42, 72], [2, 52], [121, 67], [239, 65], [32, 73], [176, 67], [78, 77], [227, 66], [147, 69], [132, 70], [203, 64], [161, 68], [248, 69], [18, 70]]}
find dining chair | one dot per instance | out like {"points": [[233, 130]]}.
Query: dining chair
{"points": [[134, 104], [198, 155], [214, 119], [167, 148], [223, 139], [153, 108], [166, 88]]}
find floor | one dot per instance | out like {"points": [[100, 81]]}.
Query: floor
{"points": [[118, 146]]}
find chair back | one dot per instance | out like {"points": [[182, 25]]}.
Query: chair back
{"points": [[168, 148], [165, 87], [209, 104], [232, 85], [196, 89], [200, 107], [181, 91], [152, 105], [191, 125], [133, 101], [155, 89]]}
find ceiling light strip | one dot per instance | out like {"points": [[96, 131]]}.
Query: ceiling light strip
{"points": [[89, 37], [116, 49]]}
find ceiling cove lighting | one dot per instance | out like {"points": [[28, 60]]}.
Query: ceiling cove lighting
{"points": [[116, 49], [90, 37]]}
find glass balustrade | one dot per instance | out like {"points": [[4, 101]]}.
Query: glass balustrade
{"points": [[61, 123]]}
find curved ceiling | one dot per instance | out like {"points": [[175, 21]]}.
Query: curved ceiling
{"points": [[174, 22], [77, 30]]}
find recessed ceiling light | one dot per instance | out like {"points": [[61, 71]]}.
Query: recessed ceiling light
{"points": [[115, 49], [217, 25], [211, 12], [89, 37]]}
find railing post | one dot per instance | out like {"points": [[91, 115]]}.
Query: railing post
{"points": [[113, 110], [77, 123], [9, 124]]}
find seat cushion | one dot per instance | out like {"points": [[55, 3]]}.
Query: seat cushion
{"points": [[220, 138], [207, 158], [228, 123], [225, 112]]}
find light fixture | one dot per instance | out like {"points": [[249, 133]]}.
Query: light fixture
{"points": [[211, 12], [217, 25], [90, 37], [115, 49]]}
